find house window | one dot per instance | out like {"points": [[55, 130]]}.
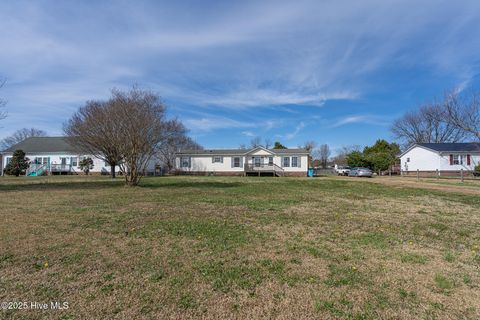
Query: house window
{"points": [[294, 161], [37, 160], [270, 161], [185, 162], [74, 161], [257, 161], [236, 162], [217, 159], [408, 159], [8, 160], [45, 160], [286, 161], [457, 159]]}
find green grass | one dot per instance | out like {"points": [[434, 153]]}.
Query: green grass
{"points": [[223, 247]]}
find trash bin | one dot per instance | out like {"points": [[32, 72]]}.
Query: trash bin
{"points": [[310, 172]]}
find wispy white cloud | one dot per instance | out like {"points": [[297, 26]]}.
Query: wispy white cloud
{"points": [[229, 55], [297, 130], [248, 134], [212, 123], [364, 118]]}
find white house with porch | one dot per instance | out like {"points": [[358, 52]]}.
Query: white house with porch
{"points": [[52, 155], [444, 158], [256, 161]]}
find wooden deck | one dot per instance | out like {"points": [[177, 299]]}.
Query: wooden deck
{"points": [[263, 170]]}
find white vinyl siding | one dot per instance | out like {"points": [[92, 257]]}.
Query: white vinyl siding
{"points": [[217, 159]]}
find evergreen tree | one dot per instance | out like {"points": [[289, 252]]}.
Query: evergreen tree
{"points": [[278, 145], [18, 164]]}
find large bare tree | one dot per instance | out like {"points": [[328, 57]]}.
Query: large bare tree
{"points": [[20, 135], [176, 141], [127, 130], [323, 153], [140, 118], [94, 130], [428, 124], [463, 111]]}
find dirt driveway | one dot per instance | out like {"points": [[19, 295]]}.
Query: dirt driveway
{"points": [[456, 186]]}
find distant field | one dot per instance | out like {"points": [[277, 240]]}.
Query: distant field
{"points": [[246, 248]]}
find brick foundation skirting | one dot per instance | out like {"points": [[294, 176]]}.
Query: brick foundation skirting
{"points": [[234, 173]]}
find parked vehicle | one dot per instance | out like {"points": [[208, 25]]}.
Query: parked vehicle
{"points": [[360, 172], [342, 170]]}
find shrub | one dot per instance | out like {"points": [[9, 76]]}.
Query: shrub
{"points": [[86, 165]]}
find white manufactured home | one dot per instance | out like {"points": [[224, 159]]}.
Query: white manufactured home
{"points": [[52, 155], [442, 158], [256, 161]]}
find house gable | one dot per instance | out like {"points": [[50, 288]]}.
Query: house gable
{"points": [[260, 151]]}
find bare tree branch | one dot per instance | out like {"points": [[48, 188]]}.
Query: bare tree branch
{"points": [[20, 135], [428, 124], [323, 154], [463, 111], [256, 142], [175, 142]]}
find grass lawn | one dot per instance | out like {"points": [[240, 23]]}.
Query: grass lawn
{"points": [[247, 248]]}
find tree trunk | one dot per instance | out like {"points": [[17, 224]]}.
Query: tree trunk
{"points": [[112, 170]]}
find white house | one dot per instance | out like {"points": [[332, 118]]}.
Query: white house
{"points": [[52, 155], [255, 161], [447, 158]]}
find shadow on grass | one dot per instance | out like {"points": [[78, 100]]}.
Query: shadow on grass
{"points": [[190, 184], [45, 185], [58, 185]]}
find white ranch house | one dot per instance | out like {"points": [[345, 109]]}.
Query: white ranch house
{"points": [[53, 155], [444, 158], [255, 161]]}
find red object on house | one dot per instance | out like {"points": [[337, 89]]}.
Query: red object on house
{"points": [[451, 159], [468, 159]]}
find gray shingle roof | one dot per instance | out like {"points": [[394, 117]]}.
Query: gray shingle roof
{"points": [[44, 145], [238, 151], [452, 147]]}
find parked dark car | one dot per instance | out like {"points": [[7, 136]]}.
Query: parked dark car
{"points": [[360, 172]]}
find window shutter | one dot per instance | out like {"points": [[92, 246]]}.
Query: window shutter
{"points": [[213, 159], [233, 158], [451, 159], [221, 159], [299, 162], [468, 159], [241, 162], [189, 162]]}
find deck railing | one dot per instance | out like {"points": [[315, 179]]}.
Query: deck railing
{"points": [[61, 167], [263, 167]]}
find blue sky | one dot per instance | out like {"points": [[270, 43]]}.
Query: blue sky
{"points": [[335, 72]]}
